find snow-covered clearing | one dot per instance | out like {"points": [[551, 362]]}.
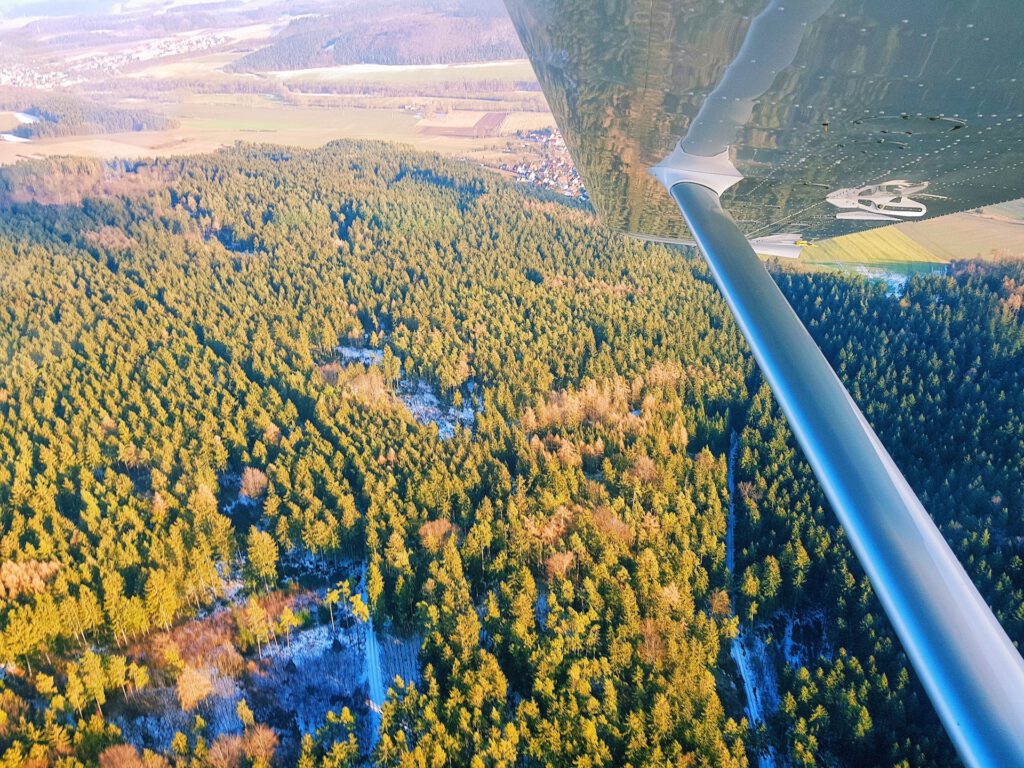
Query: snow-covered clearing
{"points": [[364, 355], [756, 650], [291, 683], [760, 686], [319, 673], [804, 639], [351, 664], [426, 407], [895, 281], [419, 397], [155, 715]]}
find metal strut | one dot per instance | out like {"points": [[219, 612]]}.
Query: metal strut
{"points": [[970, 669]]}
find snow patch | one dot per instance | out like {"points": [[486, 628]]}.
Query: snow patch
{"points": [[895, 282], [426, 407], [804, 639], [317, 674], [154, 715], [541, 609], [748, 650], [417, 395], [752, 656], [384, 658], [364, 355]]}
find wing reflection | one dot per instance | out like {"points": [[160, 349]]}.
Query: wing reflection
{"points": [[865, 93]]}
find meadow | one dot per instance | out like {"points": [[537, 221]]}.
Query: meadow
{"points": [[991, 234]]}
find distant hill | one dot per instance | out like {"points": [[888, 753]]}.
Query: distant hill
{"points": [[392, 33]]}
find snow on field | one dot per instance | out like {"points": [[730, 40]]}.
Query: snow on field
{"points": [[10, 137], [344, 71], [25, 119]]}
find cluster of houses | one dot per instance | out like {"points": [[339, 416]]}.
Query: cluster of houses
{"points": [[552, 168]]}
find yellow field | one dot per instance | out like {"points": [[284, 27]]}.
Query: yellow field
{"points": [[208, 122], [887, 244], [993, 233]]}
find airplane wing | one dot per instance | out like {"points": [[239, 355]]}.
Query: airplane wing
{"points": [[830, 110], [755, 118]]}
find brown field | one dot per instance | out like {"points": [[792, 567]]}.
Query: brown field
{"points": [[968, 236], [992, 233], [486, 126], [209, 122], [8, 122], [455, 119]]}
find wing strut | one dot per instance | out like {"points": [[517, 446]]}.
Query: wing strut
{"points": [[970, 668]]}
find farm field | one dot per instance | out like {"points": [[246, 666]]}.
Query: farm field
{"points": [[208, 122], [189, 71], [969, 235], [879, 246], [994, 233]]}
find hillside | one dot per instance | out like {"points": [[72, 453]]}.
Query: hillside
{"points": [[422, 32], [278, 425]]}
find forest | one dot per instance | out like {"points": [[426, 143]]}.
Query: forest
{"points": [[219, 518], [64, 115], [409, 32]]}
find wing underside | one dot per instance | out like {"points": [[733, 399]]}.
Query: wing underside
{"points": [[839, 116]]}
